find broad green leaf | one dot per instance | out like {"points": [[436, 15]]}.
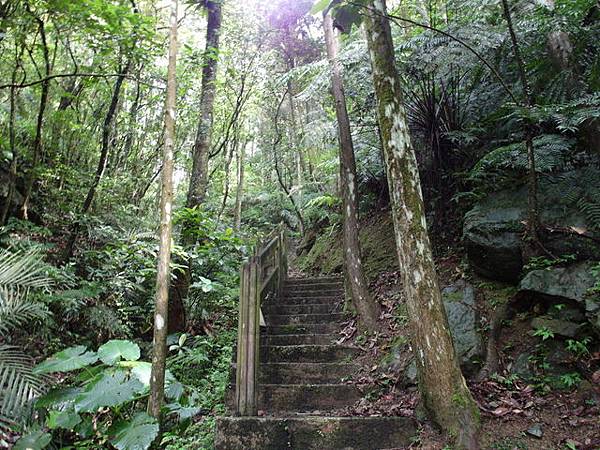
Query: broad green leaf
{"points": [[137, 434], [111, 389], [142, 370], [58, 398], [183, 412], [63, 419], [72, 358], [36, 440], [320, 6], [115, 350]]}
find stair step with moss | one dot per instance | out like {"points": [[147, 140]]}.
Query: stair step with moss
{"points": [[306, 372], [298, 398], [305, 328], [296, 319], [308, 308], [325, 300], [313, 280], [308, 353], [299, 339], [314, 293], [314, 433]]}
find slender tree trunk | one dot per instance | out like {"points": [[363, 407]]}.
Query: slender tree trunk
{"points": [[532, 236], [442, 386], [364, 303], [12, 170], [38, 140], [163, 278], [228, 159], [296, 151], [201, 151], [239, 193], [107, 129]]}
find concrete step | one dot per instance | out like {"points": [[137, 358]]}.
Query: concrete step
{"points": [[316, 308], [299, 339], [311, 373], [297, 398], [292, 319], [314, 287], [313, 280], [305, 328], [325, 300], [288, 293], [308, 353], [314, 433]]}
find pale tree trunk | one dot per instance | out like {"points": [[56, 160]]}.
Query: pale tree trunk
{"points": [[201, 151], [163, 277], [239, 192], [364, 303], [441, 383]]}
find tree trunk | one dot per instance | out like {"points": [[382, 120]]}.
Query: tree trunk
{"points": [[12, 170], [532, 241], [201, 151], [106, 135], [239, 193], [442, 386], [38, 140], [163, 278], [364, 303]]}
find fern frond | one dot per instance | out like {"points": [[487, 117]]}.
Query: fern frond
{"points": [[18, 384], [22, 270], [16, 310]]}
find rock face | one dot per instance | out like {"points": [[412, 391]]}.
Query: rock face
{"points": [[493, 228], [572, 284], [459, 301]]}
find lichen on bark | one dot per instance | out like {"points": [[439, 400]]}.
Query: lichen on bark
{"points": [[439, 375]]}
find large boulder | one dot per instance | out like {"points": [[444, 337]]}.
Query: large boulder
{"points": [[569, 284], [493, 229], [463, 319]]}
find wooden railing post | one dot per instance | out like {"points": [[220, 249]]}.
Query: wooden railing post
{"points": [[246, 393]]}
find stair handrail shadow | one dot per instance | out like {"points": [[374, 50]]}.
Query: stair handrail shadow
{"points": [[261, 277]]}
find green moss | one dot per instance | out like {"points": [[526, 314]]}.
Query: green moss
{"points": [[377, 244]]}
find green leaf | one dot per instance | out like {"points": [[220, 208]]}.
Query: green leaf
{"points": [[58, 398], [137, 434], [320, 6], [36, 440], [63, 419], [142, 370], [115, 350], [111, 389], [72, 358]]}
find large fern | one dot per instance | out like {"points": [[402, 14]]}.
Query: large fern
{"points": [[19, 272]]}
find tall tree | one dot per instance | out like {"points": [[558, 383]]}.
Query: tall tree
{"points": [[163, 278], [532, 236], [38, 142], [107, 132], [202, 143], [364, 303], [441, 383]]}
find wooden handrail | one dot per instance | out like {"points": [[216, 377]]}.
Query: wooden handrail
{"points": [[261, 277]]}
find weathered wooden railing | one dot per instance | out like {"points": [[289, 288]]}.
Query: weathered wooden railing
{"points": [[262, 277]]}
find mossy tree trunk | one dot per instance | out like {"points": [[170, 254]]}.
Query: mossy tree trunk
{"points": [[201, 150], [163, 277], [441, 383], [364, 303]]}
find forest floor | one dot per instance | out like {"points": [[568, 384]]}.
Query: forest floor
{"points": [[514, 414]]}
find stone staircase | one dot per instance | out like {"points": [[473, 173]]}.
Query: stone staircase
{"points": [[301, 381]]}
